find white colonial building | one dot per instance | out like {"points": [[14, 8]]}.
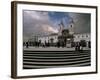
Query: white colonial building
{"points": [[77, 37], [47, 38], [83, 36]]}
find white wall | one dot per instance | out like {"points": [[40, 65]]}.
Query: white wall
{"points": [[5, 43], [46, 38], [79, 37]]}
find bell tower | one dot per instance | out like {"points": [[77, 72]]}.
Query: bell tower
{"points": [[71, 27]]}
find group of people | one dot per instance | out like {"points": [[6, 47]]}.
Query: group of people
{"points": [[39, 44], [78, 46], [28, 43]]}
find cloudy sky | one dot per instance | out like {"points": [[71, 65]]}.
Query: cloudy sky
{"points": [[42, 22]]}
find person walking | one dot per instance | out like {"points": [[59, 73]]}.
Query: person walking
{"points": [[27, 45]]}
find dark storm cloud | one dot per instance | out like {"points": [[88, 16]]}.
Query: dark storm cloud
{"points": [[82, 22]]}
